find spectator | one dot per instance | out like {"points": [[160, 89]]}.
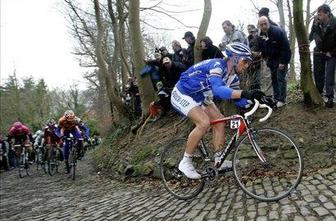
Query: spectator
{"points": [[231, 35], [209, 50], [165, 53], [190, 39], [133, 96], [161, 106], [324, 34], [254, 71], [180, 54], [265, 12], [319, 58], [275, 49], [171, 72]]}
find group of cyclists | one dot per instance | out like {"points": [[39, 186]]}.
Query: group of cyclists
{"points": [[53, 134]]}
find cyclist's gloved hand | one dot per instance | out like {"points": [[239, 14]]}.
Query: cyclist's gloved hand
{"points": [[253, 94], [243, 103]]}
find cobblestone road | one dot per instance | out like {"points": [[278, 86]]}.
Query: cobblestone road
{"points": [[41, 197]]}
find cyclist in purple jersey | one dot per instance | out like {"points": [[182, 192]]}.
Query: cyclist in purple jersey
{"points": [[193, 97]]}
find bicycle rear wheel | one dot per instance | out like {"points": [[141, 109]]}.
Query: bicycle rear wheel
{"points": [[281, 172], [173, 179]]}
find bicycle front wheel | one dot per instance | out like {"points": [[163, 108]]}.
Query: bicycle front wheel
{"points": [[52, 162], [267, 165], [73, 162], [173, 179]]}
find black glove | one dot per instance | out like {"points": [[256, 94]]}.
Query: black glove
{"points": [[253, 94]]}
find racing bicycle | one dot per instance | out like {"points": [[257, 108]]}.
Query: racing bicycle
{"points": [[266, 162]]}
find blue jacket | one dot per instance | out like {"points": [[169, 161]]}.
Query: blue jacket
{"points": [[275, 47], [209, 75]]}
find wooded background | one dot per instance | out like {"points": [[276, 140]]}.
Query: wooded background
{"points": [[111, 40]]}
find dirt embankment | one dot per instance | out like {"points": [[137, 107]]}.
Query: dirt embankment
{"points": [[314, 130]]}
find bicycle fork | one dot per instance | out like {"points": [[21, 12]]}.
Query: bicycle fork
{"points": [[257, 149]]}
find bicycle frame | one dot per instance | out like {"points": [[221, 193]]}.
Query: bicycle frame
{"points": [[244, 126]]}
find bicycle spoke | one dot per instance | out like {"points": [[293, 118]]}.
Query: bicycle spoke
{"points": [[274, 179], [174, 180]]}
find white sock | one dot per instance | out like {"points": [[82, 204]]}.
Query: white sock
{"points": [[187, 156]]}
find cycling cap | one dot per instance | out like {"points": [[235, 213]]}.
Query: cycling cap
{"points": [[69, 114], [239, 49]]}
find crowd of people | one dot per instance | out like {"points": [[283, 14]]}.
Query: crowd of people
{"points": [[268, 43], [53, 134], [192, 88]]}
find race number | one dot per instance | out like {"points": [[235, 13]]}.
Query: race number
{"points": [[234, 124]]}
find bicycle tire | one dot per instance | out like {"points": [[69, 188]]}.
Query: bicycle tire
{"points": [[275, 179], [26, 165], [21, 165], [37, 158], [73, 162], [52, 162], [175, 182]]}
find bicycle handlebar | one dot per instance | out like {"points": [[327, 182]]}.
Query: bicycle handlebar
{"points": [[254, 109]]}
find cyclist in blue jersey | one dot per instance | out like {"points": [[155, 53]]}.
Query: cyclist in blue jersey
{"points": [[192, 96]]}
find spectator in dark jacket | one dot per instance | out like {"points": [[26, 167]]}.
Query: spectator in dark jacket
{"points": [[254, 71], [190, 39], [319, 58], [265, 12], [325, 38], [180, 54], [171, 72], [275, 49], [209, 50]]}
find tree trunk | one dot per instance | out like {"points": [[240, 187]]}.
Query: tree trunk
{"points": [[103, 67], [310, 93], [281, 14], [307, 15], [146, 89], [202, 30], [292, 36]]}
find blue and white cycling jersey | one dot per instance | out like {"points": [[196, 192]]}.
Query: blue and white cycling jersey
{"points": [[209, 75]]}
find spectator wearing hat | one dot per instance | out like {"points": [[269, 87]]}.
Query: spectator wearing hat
{"points": [[190, 39], [209, 50], [171, 72], [265, 12], [165, 53], [254, 69], [276, 51], [324, 34], [231, 35]]}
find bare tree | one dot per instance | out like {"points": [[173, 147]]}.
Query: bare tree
{"points": [[103, 67], [145, 86], [202, 30], [310, 93], [292, 37]]}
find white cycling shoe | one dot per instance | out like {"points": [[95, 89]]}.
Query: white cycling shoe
{"points": [[186, 167]]}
